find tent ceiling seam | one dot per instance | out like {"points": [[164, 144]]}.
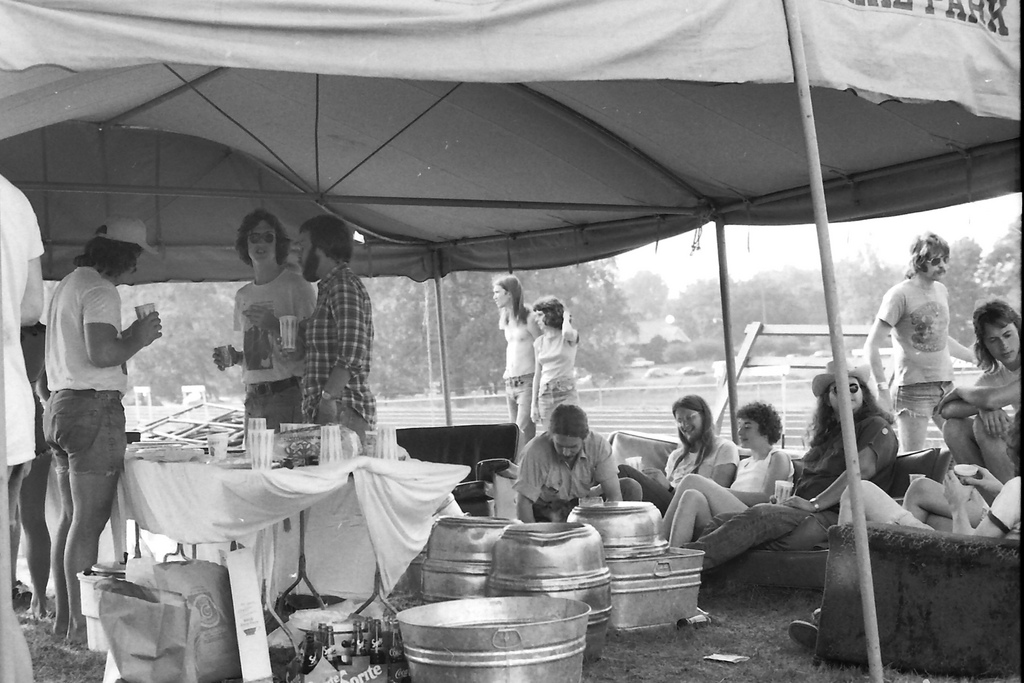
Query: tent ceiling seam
{"points": [[616, 140], [160, 99]]}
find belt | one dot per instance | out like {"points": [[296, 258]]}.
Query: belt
{"points": [[518, 381], [267, 388], [91, 393]]}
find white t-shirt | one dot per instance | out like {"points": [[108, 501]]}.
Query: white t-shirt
{"points": [[680, 462], [920, 332], [20, 242], [287, 294], [556, 355], [81, 298]]}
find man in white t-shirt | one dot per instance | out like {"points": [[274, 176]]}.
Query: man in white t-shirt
{"points": [[980, 436], [272, 378], [915, 313], [86, 355], [21, 289]]}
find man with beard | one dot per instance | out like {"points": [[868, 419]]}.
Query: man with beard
{"points": [[564, 464], [337, 339], [915, 313], [271, 377]]}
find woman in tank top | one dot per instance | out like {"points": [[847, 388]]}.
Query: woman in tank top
{"points": [[697, 498], [554, 380], [520, 330]]}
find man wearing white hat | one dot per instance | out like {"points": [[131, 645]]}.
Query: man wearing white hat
{"points": [[86, 355]]}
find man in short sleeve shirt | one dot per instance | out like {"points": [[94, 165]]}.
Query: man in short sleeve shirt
{"points": [[562, 465], [915, 313]]}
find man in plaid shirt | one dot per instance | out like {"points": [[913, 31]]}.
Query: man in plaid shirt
{"points": [[338, 338]]}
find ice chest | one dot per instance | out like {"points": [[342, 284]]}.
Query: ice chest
{"points": [[655, 591], [87, 580]]}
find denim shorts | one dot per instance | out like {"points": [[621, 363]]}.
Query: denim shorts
{"points": [[920, 400], [555, 393], [86, 431]]}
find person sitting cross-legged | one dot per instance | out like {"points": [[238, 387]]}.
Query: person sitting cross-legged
{"points": [[698, 498], [562, 465], [802, 521]]}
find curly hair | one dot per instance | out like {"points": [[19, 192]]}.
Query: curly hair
{"points": [[282, 243], [332, 235], [998, 314], [707, 427], [111, 258], [552, 310], [922, 249], [511, 284], [825, 422], [769, 424]]}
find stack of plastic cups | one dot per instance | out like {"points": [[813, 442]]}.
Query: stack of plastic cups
{"points": [[260, 446], [330, 444]]}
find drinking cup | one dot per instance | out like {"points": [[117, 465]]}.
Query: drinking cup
{"points": [[636, 462], [256, 423], [330, 444], [260, 446], [387, 443], [289, 325], [218, 446], [223, 356], [783, 490], [142, 310], [915, 477]]}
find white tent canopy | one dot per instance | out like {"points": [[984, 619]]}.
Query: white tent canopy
{"points": [[493, 135]]}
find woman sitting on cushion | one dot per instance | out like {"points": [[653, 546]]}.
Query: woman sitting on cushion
{"points": [[697, 499], [979, 505], [701, 452]]}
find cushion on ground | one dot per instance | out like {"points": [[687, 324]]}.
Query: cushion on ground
{"points": [[946, 604]]}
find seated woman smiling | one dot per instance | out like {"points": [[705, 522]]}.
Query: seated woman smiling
{"points": [[697, 498]]}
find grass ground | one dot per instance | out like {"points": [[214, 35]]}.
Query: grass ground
{"points": [[745, 620]]}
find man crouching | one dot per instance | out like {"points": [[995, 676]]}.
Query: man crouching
{"points": [[561, 465]]}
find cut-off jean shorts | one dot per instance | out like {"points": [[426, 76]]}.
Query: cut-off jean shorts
{"points": [[920, 400], [555, 393], [86, 430]]}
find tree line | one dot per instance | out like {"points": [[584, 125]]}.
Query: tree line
{"points": [[605, 308]]}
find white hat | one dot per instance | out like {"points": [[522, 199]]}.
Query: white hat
{"points": [[821, 383], [123, 229]]}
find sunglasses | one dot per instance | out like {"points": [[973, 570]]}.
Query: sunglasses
{"points": [[937, 260], [257, 237], [854, 388]]}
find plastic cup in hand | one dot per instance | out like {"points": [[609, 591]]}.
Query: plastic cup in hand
{"points": [[289, 325], [636, 462], [915, 477], [142, 310], [783, 490], [260, 446], [330, 444], [223, 356], [218, 445]]}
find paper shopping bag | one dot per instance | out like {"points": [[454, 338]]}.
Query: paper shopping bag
{"points": [[147, 630]]}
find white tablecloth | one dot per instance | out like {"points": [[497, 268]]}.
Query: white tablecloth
{"points": [[388, 519]]}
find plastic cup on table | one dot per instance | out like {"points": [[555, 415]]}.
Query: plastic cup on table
{"points": [[260, 447], [256, 423], [289, 325], [218, 445], [783, 490], [330, 444], [142, 310]]}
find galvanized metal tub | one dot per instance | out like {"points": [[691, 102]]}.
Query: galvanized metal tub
{"points": [[496, 640], [459, 556], [628, 528], [560, 560], [655, 591]]}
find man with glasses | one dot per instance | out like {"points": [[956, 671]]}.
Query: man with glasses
{"points": [[272, 377], [915, 313], [564, 464], [801, 522]]}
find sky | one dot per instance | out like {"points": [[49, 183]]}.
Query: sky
{"points": [[754, 249]]}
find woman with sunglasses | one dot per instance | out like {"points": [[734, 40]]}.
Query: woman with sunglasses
{"points": [[915, 313], [801, 522]]}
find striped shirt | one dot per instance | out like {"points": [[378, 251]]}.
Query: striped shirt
{"points": [[340, 333]]}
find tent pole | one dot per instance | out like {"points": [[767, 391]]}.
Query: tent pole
{"points": [[442, 344], [836, 334], [730, 352]]}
